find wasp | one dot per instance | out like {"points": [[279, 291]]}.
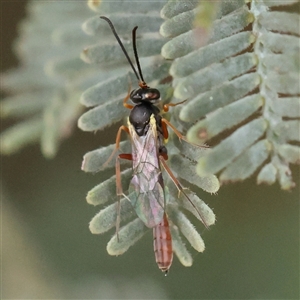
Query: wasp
{"points": [[148, 132]]}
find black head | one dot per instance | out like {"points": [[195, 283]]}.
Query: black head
{"points": [[140, 117], [145, 95]]}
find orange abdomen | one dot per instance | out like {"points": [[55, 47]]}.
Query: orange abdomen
{"points": [[163, 245]]}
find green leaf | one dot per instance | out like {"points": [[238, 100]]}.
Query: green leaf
{"points": [[287, 107], [179, 248], [179, 46], [124, 6], [290, 153], [20, 135], [208, 183], [244, 72], [186, 228], [204, 57], [284, 84], [207, 212], [99, 159], [267, 174], [23, 105], [230, 148], [283, 173], [189, 201], [218, 97], [111, 53], [59, 117], [102, 116], [226, 117], [280, 22], [271, 3], [107, 217], [179, 24], [49, 79], [209, 77], [146, 23], [231, 24], [247, 163], [288, 43], [290, 130], [70, 68], [96, 196], [228, 6], [175, 7], [128, 236]]}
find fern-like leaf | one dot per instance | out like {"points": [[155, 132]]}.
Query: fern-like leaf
{"points": [[44, 90], [242, 87]]}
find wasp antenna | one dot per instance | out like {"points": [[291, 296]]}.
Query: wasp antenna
{"points": [[136, 54], [122, 47]]}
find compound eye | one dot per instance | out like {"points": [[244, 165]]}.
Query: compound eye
{"points": [[152, 95], [136, 96], [145, 94]]}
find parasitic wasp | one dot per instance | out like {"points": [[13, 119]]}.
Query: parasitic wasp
{"points": [[148, 132]]}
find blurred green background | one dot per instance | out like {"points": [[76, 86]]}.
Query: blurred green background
{"points": [[48, 251]]}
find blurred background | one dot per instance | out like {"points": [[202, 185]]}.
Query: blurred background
{"points": [[48, 251]]}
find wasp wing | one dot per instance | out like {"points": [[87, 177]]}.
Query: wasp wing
{"points": [[147, 182]]}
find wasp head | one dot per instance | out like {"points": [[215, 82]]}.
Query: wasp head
{"points": [[145, 94]]}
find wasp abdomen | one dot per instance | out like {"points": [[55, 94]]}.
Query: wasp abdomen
{"points": [[163, 245]]}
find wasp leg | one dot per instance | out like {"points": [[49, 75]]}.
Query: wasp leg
{"points": [[164, 130], [119, 188], [166, 123], [118, 139], [166, 106], [123, 127], [118, 171], [181, 189], [125, 104]]}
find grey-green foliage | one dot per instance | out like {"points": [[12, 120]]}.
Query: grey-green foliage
{"points": [[242, 87], [44, 90], [106, 102], [244, 84]]}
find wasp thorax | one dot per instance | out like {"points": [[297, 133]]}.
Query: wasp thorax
{"points": [[144, 94]]}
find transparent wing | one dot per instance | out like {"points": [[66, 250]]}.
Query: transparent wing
{"points": [[147, 182]]}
